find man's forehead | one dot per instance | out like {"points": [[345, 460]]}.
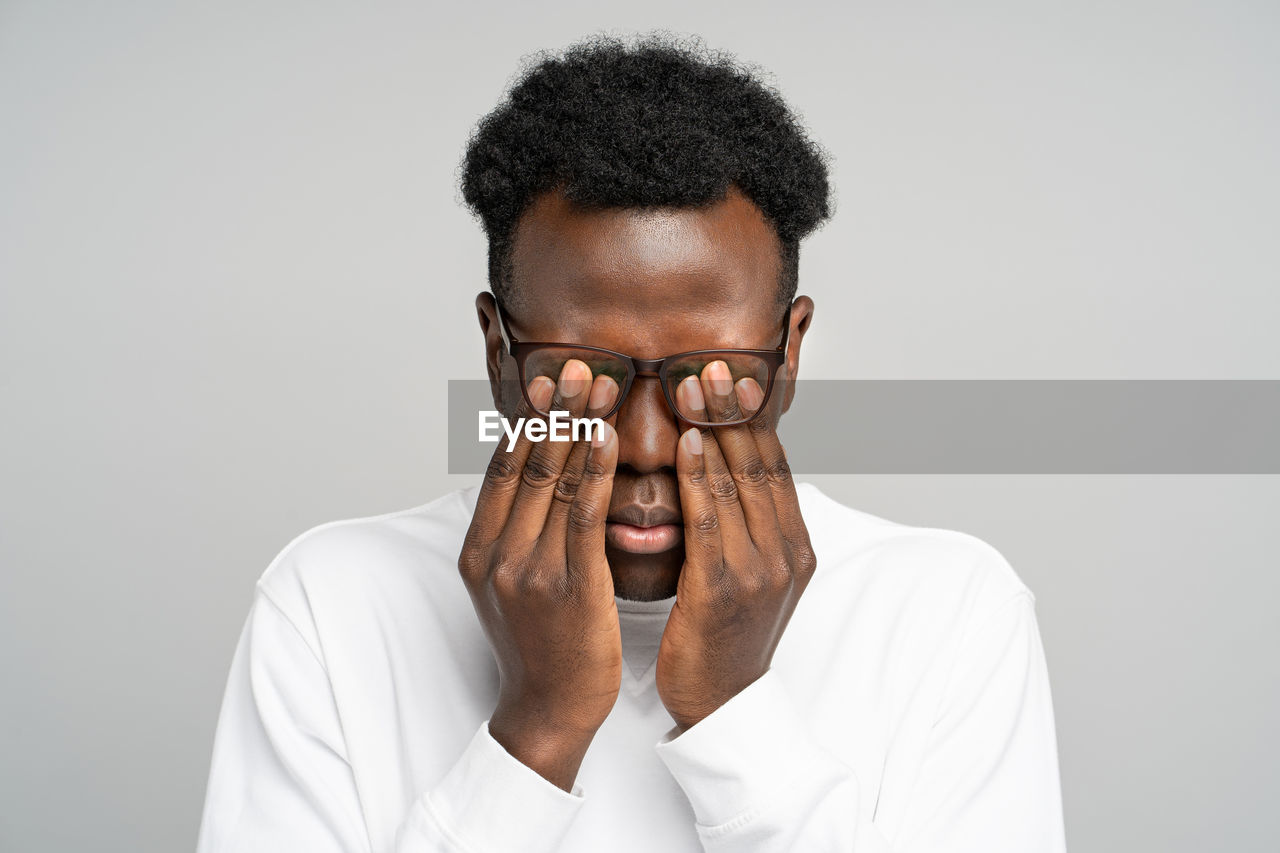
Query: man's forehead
{"points": [[725, 250]]}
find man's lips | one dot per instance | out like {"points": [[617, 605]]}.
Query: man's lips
{"points": [[644, 530], [643, 540]]}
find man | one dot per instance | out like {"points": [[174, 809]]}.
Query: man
{"points": [[656, 640]]}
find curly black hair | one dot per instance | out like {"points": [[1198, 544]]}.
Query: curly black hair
{"points": [[655, 123]]}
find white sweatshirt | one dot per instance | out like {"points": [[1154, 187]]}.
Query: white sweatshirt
{"points": [[907, 709]]}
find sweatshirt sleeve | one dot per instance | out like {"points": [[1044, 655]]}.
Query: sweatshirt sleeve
{"points": [[988, 780], [280, 778]]}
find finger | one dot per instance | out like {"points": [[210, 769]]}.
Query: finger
{"points": [[781, 482], [735, 538], [585, 520], [742, 458], [750, 396], [702, 533], [717, 387], [690, 403], [546, 460], [603, 392], [502, 477]]}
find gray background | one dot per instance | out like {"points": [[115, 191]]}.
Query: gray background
{"points": [[231, 253]]}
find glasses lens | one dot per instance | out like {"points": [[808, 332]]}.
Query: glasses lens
{"points": [[709, 399], [549, 361]]}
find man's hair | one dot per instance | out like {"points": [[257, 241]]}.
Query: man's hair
{"points": [[656, 123]]}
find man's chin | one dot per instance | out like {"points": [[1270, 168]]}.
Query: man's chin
{"points": [[645, 577]]}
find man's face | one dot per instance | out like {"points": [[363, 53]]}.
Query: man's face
{"points": [[648, 283]]}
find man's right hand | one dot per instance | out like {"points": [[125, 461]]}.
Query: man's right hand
{"points": [[534, 564]]}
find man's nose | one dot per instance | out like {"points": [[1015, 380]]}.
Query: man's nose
{"points": [[647, 431]]}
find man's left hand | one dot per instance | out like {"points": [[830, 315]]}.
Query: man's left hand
{"points": [[747, 551]]}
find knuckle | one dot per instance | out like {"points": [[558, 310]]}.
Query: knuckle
{"points": [[752, 474], [514, 581], [594, 471], [726, 596], [567, 487], [471, 563], [806, 562], [583, 518], [754, 584], [501, 559], [724, 488], [779, 472], [538, 474], [506, 581], [706, 521], [502, 469], [778, 572], [770, 581]]}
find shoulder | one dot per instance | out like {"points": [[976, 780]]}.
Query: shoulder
{"points": [[934, 569], [336, 567]]}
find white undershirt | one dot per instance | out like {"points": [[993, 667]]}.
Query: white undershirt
{"points": [[907, 709], [641, 624]]}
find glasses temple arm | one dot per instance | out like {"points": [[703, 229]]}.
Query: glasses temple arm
{"points": [[507, 338]]}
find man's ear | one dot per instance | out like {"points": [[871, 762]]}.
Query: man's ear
{"points": [[487, 313], [801, 317]]}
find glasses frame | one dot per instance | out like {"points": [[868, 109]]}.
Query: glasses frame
{"points": [[651, 367]]}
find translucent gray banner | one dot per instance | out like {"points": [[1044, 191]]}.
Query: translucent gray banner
{"points": [[993, 427]]}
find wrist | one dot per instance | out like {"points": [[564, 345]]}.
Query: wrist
{"points": [[690, 707], [686, 719], [553, 750]]}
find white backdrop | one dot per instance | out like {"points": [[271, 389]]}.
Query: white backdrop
{"points": [[231, 253]]}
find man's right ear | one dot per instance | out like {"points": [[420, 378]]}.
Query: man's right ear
{"points": [[487, 313]]}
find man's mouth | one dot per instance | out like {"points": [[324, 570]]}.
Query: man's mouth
{"points": [[644, 530]]}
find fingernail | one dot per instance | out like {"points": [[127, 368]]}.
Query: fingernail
{"points": [[574, 377], [721, 380], [689, 396], [600, 435], [749, 394], [693, 441], [540, 391], [602, 393]]}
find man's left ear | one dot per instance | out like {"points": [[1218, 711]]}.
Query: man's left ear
{"points": [[801, 317]]}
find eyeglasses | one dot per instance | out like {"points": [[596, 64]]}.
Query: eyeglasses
{"points": [[534, 359]]}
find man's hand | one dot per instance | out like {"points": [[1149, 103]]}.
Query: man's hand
{"points": [[533, 561], [747, 552]]}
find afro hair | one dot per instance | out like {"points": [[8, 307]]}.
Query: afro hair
{"points": [[655, 123]]}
